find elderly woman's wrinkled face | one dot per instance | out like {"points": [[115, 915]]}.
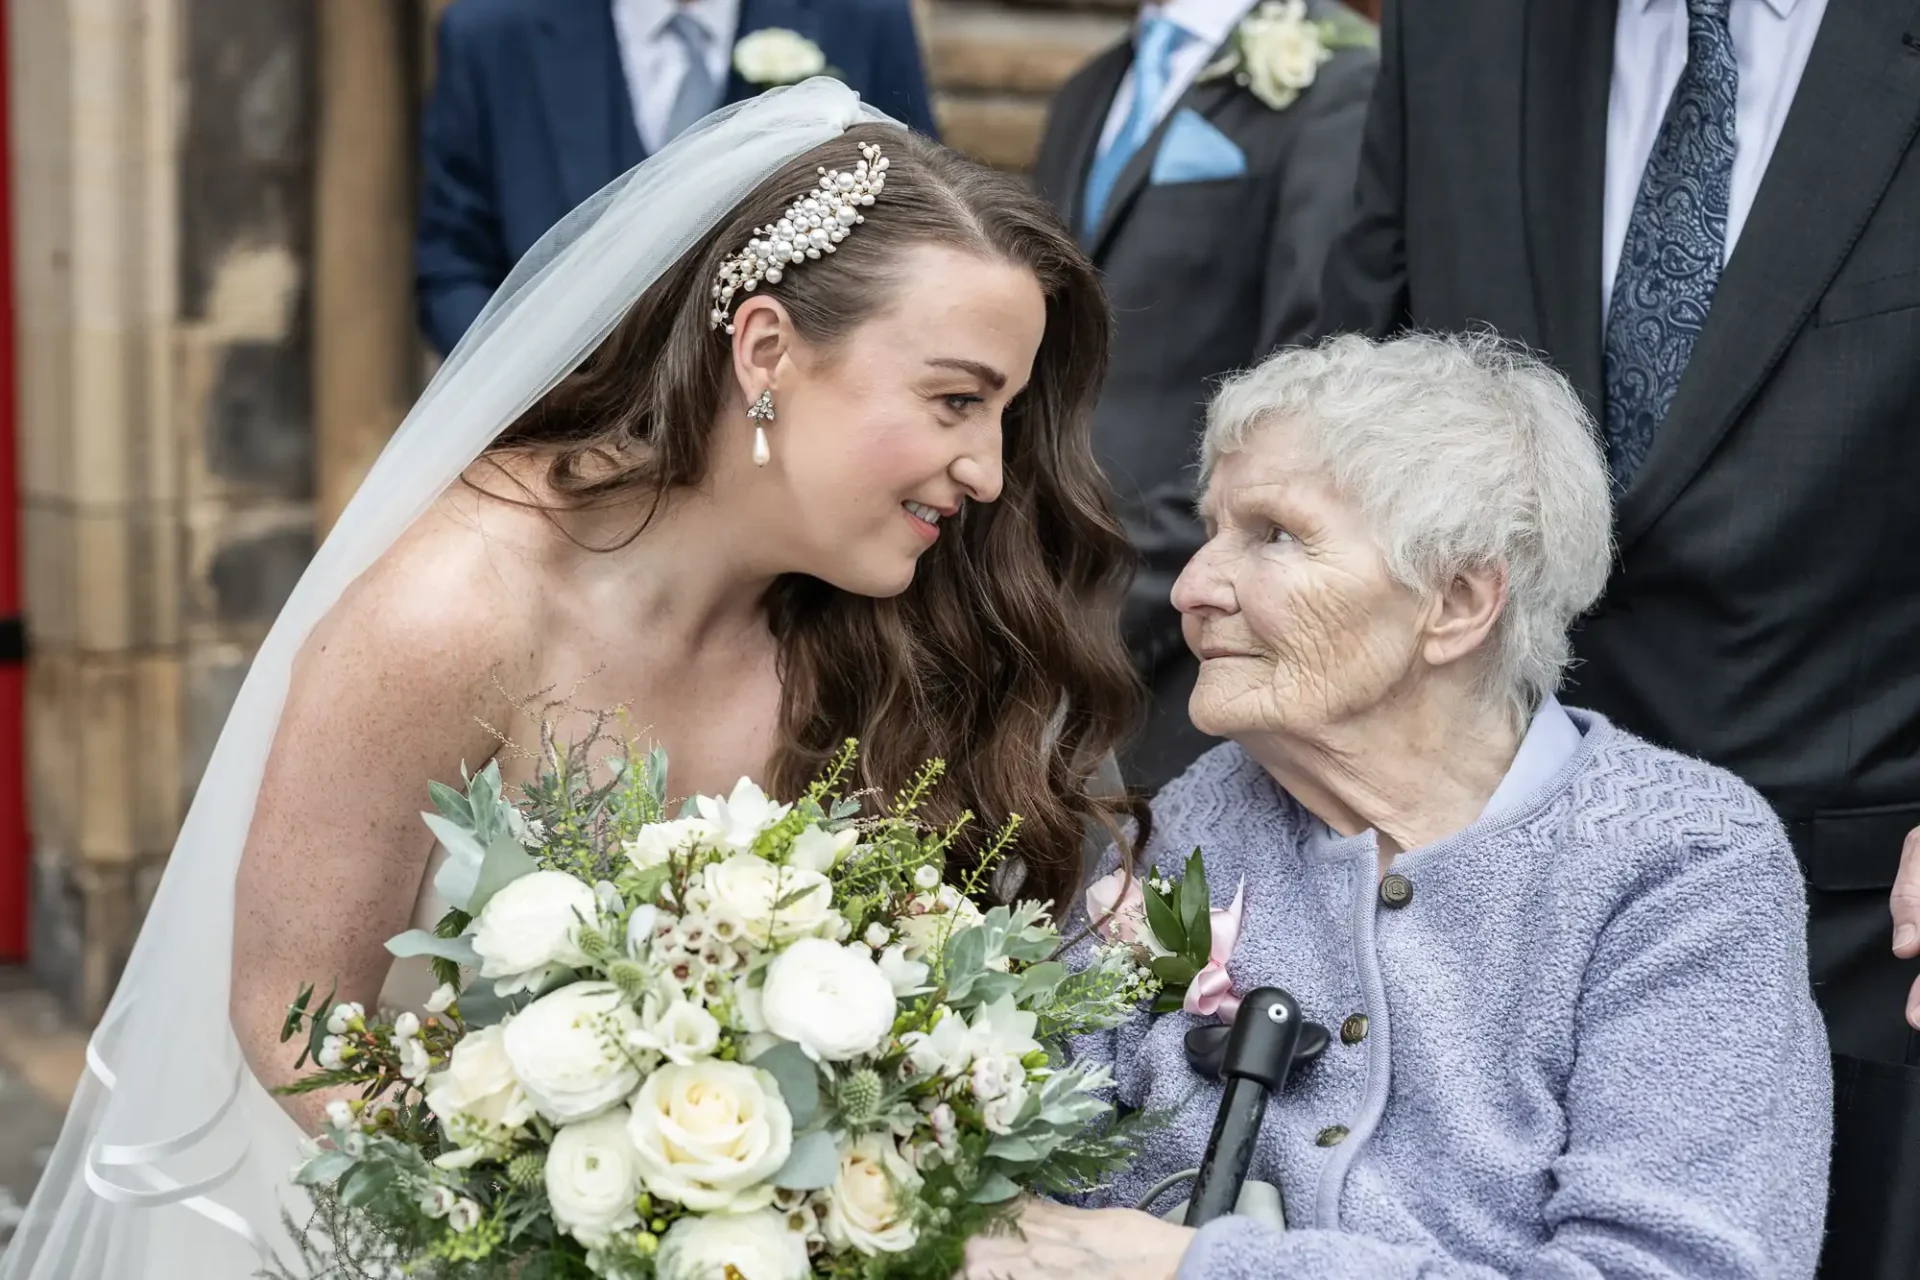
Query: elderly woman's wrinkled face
{"points": [[1290, 607]]}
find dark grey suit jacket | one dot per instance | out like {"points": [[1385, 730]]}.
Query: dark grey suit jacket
{"points": [[1205, 278], [1764, 612]]}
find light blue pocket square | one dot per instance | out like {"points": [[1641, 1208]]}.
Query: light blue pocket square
{"points": [[1192, 150]]}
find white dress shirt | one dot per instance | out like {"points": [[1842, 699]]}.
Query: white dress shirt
{"points": [[1771, 40], [1210, 22], [655, 61]]}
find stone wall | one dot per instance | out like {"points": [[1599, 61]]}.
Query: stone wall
{"points": [[163, 180]]}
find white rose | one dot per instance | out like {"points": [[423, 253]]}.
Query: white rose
{"points": [[684, 1032], [1282, 51], [747, 1246], [532, 924], [1000, 1114], [593, 1177], [829, 999], [817, 849], [776, 55], [657, 842], [867, 1207], [744, 888], [710, 1135], [566, 1050], [477, 1096], [742, 816]]}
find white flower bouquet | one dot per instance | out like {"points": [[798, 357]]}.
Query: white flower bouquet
{"points": [[751, 1042]]}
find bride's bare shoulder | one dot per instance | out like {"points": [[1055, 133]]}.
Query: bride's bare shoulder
{"points": [[464, 589]]}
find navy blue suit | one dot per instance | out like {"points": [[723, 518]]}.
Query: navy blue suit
{"points": [[530, 114]]}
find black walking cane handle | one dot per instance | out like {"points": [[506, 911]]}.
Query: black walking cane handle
{"points": [[1256, 1055]]}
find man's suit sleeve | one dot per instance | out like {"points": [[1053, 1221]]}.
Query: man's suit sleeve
{"points": [[1364, 287], [459, 255], [899, 78]]}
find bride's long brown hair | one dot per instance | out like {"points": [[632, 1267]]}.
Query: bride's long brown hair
{"points": [[1004, 656]]}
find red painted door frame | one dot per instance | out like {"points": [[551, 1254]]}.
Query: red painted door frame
{"points": [[13, 671]]}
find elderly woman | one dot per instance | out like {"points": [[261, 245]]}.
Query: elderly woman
{"points": [[1565, 969]]}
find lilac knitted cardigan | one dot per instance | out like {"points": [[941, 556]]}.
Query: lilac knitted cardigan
{"points": [[1590, 1046]]}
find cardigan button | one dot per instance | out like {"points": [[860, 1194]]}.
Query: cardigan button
{"points": [[1396, 891], [1331, 1136], [1354, 1029]]}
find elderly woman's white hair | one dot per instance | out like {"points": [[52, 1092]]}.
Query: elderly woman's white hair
{"points": [[1460, 452]]}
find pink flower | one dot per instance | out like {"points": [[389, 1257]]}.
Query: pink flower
{"points": [[1118, 909], [1211, 991]]}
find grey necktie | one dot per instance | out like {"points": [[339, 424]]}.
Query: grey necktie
{"points": [[698, 94]]}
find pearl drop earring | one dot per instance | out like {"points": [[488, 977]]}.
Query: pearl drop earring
{"points": [[760, 412]]}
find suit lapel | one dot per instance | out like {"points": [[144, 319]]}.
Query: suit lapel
{"points": [[1206, 99], [1566, 76], [1852, 120], [577, 62], [1092, 101]]}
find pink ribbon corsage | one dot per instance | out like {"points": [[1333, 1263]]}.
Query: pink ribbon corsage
{"points": [[1149, 913], [1211, 994]]}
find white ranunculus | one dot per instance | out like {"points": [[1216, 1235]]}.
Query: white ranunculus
{"points": [[868, 1207], [684, 1033], [533, 924], [944, 1051], [817, 849], [656, 842], [743, 889], [710, 1135], [593, 1177], [909, 977], [831, 1000], [741, 817], [746, 1246], [478, 1087], [775, 55], [566, 1050]]}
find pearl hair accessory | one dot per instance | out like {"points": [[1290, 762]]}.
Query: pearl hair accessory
{"points": [[811, 226]]}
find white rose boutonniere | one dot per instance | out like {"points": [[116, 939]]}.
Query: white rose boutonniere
{"points": [[1277, 51], [776, 56]]}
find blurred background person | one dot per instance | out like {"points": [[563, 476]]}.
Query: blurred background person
{"points": [[537, 104], [1206, 163], [1703, 212]]}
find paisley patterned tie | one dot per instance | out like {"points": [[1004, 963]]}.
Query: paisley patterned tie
{"points": [[1676, 241]]}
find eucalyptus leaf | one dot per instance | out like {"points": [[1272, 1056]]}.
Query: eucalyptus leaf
{"points": [[988, 987], [451, 804], [326, 1167], [996, 1188], [364, 1185], [1162, 919], [797, 1077], [418, 942], [460, 873], [1013, 1147], [1040, 981], [965, 960], [505, 862], [482, 1006], [814, 1164]]}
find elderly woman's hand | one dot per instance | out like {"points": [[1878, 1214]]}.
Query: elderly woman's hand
{"points": [[1055, 1242]]}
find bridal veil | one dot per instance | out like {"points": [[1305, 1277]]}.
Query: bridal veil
{"points": [[174, 1160]]}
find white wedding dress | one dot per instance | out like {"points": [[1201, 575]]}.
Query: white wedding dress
{"points": [[173, 1164]]}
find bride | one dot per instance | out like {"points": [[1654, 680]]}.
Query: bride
{"points": [[765, 505]]}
